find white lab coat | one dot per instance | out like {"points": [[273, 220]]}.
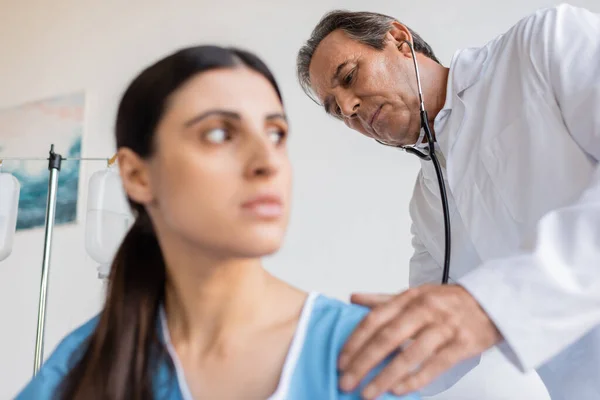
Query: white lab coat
{"points": [[519, 135]]}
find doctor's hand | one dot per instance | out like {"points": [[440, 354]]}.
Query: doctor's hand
{"points": [[444, 324]]}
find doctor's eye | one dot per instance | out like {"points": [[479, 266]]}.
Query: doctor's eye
{"points": [[337, 111], [217, 135], [348, 78]]}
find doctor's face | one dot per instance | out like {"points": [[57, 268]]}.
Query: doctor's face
{"points": [[373, 91]]}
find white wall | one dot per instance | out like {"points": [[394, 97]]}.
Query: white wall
{"points": [[350, 226]]}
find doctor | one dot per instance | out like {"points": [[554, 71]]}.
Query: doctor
{"points": [[517, 130]]}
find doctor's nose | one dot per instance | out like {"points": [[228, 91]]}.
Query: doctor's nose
{"points": [[349, 106]]}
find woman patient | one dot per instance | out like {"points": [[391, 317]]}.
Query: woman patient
{"points": [[190, 312]]}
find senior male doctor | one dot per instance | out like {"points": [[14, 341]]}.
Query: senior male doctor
{"points": [[517, 131]]}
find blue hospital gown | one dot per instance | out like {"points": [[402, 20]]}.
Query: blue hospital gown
{"points": [[309, 373]]}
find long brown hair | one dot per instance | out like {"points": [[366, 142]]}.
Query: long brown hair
{"points": [[119, 359]]}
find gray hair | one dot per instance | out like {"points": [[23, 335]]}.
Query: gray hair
{"points": [[366, 27]]}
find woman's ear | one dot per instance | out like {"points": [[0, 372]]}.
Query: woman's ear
{"points": [[134, 173]]}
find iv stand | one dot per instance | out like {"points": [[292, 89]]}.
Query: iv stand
{"points": [[54, 164]]}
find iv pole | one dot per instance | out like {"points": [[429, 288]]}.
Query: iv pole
{"points": [[54, 165]]}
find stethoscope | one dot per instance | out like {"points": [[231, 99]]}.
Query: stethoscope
{"points": [[429, 156]]}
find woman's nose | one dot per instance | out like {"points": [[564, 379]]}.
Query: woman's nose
{"points": [[264, 160]]}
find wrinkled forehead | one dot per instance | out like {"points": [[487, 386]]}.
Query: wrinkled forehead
{"points": [[331, 54]]}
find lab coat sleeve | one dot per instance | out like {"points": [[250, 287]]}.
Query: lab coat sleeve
{"points": [[545, 300]]}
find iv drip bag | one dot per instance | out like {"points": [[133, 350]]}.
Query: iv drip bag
{"points": [[108, 217], [9, 205]]}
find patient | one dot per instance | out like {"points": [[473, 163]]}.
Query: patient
{"points": [[190, 312]]}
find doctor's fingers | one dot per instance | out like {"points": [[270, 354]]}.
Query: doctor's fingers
{"points": [[410, 360], [370, 300], [374, 320], [443, 360], [387, 339]]}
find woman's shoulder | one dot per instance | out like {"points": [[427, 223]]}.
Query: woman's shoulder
{"points": [[331, 323], [43, 386], [335, 318]]}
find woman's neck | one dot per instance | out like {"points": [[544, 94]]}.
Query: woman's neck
{"points": [[213, 305], [212, 298]]}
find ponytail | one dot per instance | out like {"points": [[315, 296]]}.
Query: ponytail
{"points": [[117, 361]]}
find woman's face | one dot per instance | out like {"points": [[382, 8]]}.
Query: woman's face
{"points": [[220, 177]]}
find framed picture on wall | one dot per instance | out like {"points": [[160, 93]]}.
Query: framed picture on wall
{"points": [[28, 130]]}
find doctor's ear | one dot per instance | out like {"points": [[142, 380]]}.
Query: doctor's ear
{"points": [[135, 176], [398, 34]]}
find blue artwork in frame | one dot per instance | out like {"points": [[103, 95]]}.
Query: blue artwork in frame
{"points": [[28, 131]]}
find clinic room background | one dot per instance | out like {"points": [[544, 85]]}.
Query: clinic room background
{"points": [[350, 225]]}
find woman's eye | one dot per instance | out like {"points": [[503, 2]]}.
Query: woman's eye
{"points": [[276, 135], [217, 135]]}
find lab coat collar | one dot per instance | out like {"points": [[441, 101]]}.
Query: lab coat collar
{"points": [[466, 68], [440, 119], [450, 86]]}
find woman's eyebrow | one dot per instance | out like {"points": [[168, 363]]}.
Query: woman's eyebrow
{"points": [[206, 114]]}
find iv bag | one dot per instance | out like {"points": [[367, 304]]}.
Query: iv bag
{"points": [[108, 218], [9, 205]]}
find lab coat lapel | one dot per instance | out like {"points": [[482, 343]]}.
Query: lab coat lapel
{"points": [[467, 177], [466, 69]]}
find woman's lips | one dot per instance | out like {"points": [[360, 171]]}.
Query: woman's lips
{"points": [[264, 206]]}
